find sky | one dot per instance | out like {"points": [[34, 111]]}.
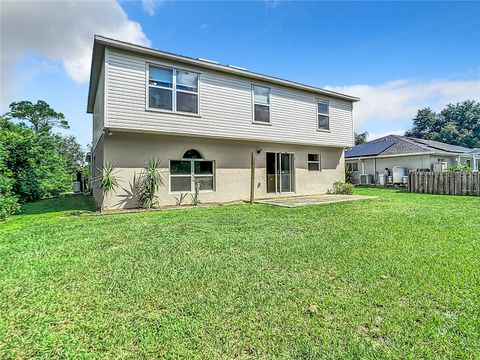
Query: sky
{"points": [[397, 57]]}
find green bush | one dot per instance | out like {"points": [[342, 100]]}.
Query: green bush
{"points": [[8, 201], [34, 162], [8, 205], [465, 168], [340, 187]]}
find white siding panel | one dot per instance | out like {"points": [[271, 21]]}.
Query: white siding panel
{"points": [[225, 107]]}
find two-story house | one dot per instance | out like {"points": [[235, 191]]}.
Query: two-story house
{"points": [[209, 123]]}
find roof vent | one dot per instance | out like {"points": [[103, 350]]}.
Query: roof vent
{"points": [[207, 60], [237, 67]]}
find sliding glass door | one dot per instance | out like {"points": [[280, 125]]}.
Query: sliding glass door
{"points": [[280, 173]]}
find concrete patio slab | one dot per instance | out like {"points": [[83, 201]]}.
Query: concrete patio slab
{"points": [[298, 201]]}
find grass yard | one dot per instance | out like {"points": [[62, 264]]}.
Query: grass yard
{"points": [[391, 278]]}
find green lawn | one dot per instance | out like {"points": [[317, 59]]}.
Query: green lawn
{"points": [[398, 277]]}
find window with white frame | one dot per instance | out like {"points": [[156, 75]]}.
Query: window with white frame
{"points": [[191, 169], [314, 162], [172, 89], [352, 166], [261, 104], [323, 115]]}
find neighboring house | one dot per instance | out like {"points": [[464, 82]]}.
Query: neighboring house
{"points": [[373, 157], [204, 121]]}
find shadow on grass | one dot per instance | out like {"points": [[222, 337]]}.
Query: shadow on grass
{"points": [[77, 203]]}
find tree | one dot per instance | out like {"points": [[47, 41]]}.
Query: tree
{"points": [[361, 138], [72, 151], [456, 124], [425, 125], [8, 200], [40, 115], [33, 160]]}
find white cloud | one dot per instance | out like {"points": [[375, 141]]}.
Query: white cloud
{"points": [[60, 31], [271, 4], [400, 99], [150, 6]]}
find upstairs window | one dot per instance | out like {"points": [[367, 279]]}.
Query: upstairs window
{"points": [[172, 89], [160, 87], [187, 91], [261, 104], [323, 115], [314, 162]]}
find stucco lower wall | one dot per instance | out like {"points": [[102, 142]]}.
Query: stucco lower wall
{"points": [[232, 159], [95, 171]]}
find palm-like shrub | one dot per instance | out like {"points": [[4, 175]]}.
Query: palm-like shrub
{"points": [[195, 196], [149, 182], [109, 180], [349, 175]]}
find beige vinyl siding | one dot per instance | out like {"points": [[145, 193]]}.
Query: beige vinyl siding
{"points": [[99, 108], [225, 109]]}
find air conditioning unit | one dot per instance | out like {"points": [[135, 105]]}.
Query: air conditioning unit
{"points": [[365, 179], [440, 166], [398, 173]]}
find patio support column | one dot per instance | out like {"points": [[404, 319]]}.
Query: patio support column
{"points": [[252, 179]]}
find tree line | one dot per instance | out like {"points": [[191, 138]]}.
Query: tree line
{"points": [[35, 163], [456, 124]]}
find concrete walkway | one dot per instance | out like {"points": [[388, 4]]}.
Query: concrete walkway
{"points": [[298, 201]]}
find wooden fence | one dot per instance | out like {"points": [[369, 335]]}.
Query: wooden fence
{"points": [[445, 183]]}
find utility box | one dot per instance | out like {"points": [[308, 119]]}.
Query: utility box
{"points": [[77, 187], [398, 173]]}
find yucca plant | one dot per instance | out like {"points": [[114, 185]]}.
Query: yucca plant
{"points": [[109, 180], [195, 195], [349, 175], [149, 182], [181, 198]]}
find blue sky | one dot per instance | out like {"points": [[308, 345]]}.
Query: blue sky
{"points": [[397, 56]]}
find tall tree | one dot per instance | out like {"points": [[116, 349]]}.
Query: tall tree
{"points": [[361, 138], [40, 115], [33, 161], [461, 124], [456, 124], [72, 151], [426, 125]]}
